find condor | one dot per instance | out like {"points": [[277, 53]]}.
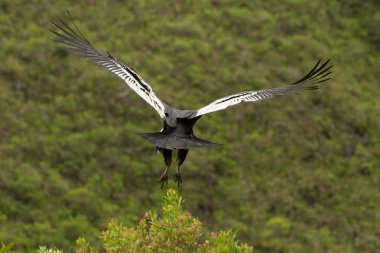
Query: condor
{"points": [[177, 132]]}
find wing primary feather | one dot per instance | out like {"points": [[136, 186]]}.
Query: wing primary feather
{"points": [[76, 28], [320, 68], [322, 81], [67, 30], [315, 72], [308, 74], [323, 71], [321, 77]]}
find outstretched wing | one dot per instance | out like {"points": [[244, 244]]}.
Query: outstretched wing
{"points": [[75, 42], [320, 73]]}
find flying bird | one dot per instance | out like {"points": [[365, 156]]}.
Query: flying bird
{"points": [[177, 131]]}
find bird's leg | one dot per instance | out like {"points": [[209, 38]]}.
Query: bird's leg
{"points": [[178, 176], [164, 178], [182, 153], [167, 153]]}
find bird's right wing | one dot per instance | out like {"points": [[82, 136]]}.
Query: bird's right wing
{"points": [[78, 44], [319, 74]]}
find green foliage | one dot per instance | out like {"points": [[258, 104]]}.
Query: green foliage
{"points": [[296, 174], [274, 234], [44, 249], [175, 231], [6, 248]]}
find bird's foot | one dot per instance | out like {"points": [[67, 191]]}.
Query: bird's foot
{"points": [[164, 179], [178, 179]]}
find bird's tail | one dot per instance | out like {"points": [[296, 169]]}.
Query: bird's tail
{"points": [[163, 140]]}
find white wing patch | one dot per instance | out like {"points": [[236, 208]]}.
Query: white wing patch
{"points": [[137, 84], [77, 43], [223, 103]]}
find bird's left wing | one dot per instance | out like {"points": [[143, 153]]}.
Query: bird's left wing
{"points": [[320, 73], [75, 42]]}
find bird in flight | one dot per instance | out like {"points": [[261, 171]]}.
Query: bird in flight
{"points": [[177, 131]]}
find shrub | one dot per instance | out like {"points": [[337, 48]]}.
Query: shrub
{"points": [[6, 248], [175, 231], [44, 249]]}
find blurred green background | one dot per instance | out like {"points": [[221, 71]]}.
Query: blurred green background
{"points": [[298, 173]]}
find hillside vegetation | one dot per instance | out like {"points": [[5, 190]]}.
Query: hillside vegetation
{"points": [[299, 173], [174, 230]]}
